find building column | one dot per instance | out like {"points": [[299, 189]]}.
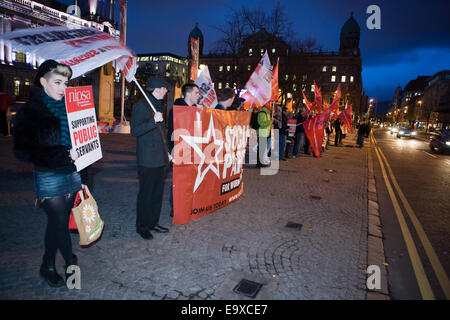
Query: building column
{"points": [[2, 45], [8, 49]]}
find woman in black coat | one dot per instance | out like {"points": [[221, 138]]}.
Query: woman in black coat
{"points": [[41, 136]]}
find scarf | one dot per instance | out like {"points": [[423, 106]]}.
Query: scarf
{"points": [[58, 109]]}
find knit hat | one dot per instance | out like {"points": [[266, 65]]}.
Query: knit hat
{"points": [[45, 67], [157, 82]]}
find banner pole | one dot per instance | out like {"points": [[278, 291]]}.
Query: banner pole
{"points": [[145, 96]]}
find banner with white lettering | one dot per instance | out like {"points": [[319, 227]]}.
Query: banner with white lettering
{"points": [[83, 49], [83, 125], [208, 96], [260, 83]]}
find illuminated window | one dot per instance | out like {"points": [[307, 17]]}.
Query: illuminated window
{"points": [[220, 68], [304, 77], [286, 77], [227, 85], [16, 87], [249, 67], [343, 79], [334, 69], [294, 77], [234, 85], [294, 87], [333, 78], [250, 52], [168, 66], [324, 69], [228, 68], [219, 86], [273, 50], [262, 52], [312, 88], [351, 78], [235, 68], [157, 66]]}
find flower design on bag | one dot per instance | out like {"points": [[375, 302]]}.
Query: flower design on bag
{"points": [[89, 213]]}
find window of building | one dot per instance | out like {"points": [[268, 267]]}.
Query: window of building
{"points": [[324, 69], [334, 69], [343, 79], [294, 87], [352, 78], [235, 68], [227, 85], [250, 52], [303, 87], [219, 86], [273, 50], [168, 74], [167, 66], [294, 77], [234, 85], [262, 52], [312, 88], [305, 77], [249, 68], [220, 68], [286, 77], [333, 78], [156, 66], [228, 68], [16, 87]]}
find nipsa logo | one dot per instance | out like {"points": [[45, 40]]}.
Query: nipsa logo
{"points": [[80, 96]]}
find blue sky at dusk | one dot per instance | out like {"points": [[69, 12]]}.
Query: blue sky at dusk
{"points": [[414, 38]]}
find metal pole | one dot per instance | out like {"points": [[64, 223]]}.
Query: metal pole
{"points": [[122, 98]]}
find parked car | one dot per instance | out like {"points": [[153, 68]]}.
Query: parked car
{"points": [[406, 132], [440, 141]]}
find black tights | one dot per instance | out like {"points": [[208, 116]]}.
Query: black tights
{"points": [[57, 235]]}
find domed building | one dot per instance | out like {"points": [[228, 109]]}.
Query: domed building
{"points": [[298, 69]]}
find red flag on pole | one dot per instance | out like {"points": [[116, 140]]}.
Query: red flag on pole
{"points": [[308, 104], [289, 106], [314, 131], [346, 117], [275, 83], [317, 98], [250, 101]]}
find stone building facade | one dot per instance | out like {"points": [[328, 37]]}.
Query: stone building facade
{"points": [[297, 70]]}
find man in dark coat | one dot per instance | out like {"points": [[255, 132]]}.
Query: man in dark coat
{"points": [[337, 132], [152, 157]]}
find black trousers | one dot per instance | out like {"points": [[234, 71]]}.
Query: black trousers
{"points": [[57, 235], [338, 137], [150, 196]]}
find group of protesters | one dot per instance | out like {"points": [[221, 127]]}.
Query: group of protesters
{"points": [[41, 136]]}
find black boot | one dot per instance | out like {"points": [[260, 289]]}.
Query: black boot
{"points": [[71, 262], [49, 274]]}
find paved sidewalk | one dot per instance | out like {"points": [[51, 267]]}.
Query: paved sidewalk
{"points": [[325, 259]]}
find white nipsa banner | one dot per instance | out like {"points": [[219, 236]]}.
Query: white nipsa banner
{"points": [[83, 49], [208, 95]]}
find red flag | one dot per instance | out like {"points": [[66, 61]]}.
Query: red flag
{"points": [[289, 106], [308, 104], [314, 131], [346, 117], [275, 83], [317, 98]]}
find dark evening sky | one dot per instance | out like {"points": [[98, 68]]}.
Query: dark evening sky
{"points": [[414, 38]]}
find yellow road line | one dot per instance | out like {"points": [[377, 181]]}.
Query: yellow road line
{"points": [[432, 256], [422, 280], [431, 155]]}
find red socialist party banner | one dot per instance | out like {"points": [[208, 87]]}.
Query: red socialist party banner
{"points": [[314, 131], [209, 154]]}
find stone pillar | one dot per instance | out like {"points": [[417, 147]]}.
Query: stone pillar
{"points": [[106, 94], [2, 45], [8, 48]]}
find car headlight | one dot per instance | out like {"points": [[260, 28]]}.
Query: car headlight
{"points": [[402, 132], [394, 130], [413, 133]]}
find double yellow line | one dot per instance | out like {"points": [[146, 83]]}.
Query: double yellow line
{"points": [[422, 280]]}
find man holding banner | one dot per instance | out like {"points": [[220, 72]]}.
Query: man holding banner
{"points": [[152, 158]]}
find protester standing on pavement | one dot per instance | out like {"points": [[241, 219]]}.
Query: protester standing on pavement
{"points": [[263, 134], [191, 95], [152, 157], [337, 131], [41, 135], [226, 99], [5, 102], [299, 133], [362, 130]]}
